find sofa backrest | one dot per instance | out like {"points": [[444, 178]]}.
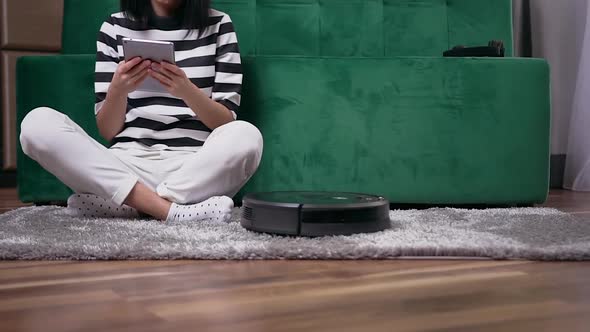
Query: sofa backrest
{"points": [[367, 27], [82, 19], [371, 28]]}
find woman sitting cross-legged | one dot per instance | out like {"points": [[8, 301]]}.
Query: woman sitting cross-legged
{"points": [[177, 155]]}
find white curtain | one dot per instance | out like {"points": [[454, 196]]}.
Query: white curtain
{"points": [[577, 172], [559, 31]]}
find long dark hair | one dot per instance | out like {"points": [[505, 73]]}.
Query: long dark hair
{"points": [[192, 14]]}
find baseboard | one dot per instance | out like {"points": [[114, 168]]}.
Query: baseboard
{"points": [[8, 180], [557, 170]]}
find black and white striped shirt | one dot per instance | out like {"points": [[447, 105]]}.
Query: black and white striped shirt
{"points": [[159, 120]]}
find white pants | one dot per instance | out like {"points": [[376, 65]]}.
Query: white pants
{"points": [[224, 164]]}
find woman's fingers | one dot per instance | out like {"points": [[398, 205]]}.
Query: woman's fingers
{"points": [[139, 68], [136, 81], [135, 71], [160, 77], [172, 68], [168, 73], [162, 70], [128, 65], [169, 70]]}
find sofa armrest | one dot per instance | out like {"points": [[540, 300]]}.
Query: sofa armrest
{"points": [[62, 82]]}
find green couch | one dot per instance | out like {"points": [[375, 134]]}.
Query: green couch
{"points": [[351, 95]]}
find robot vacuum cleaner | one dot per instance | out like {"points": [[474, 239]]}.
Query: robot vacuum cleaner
{"points": [[314, 213]]}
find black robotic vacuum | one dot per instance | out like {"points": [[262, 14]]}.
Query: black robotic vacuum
{"points": [[314, 213]]}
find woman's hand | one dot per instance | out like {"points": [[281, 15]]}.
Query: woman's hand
{"points": [[208, 111], [129, 75], [173, 78]]}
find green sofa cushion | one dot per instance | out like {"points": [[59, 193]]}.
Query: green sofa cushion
{"points": [[414, 129], [331, 27]]}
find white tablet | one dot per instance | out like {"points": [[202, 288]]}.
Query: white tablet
{"points": [[156, 51]]}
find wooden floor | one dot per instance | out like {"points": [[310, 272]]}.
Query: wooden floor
{"points": [[404, 295]]}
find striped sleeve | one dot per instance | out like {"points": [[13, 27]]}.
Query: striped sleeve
{"points": [[107, 59], [228, 67]]}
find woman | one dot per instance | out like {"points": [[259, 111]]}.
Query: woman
{"points": [[176, 156]]}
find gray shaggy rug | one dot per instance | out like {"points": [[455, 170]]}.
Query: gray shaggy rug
{"points": [[531, 233]]}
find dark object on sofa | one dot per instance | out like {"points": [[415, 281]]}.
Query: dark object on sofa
{"points": [[495, 49]]}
